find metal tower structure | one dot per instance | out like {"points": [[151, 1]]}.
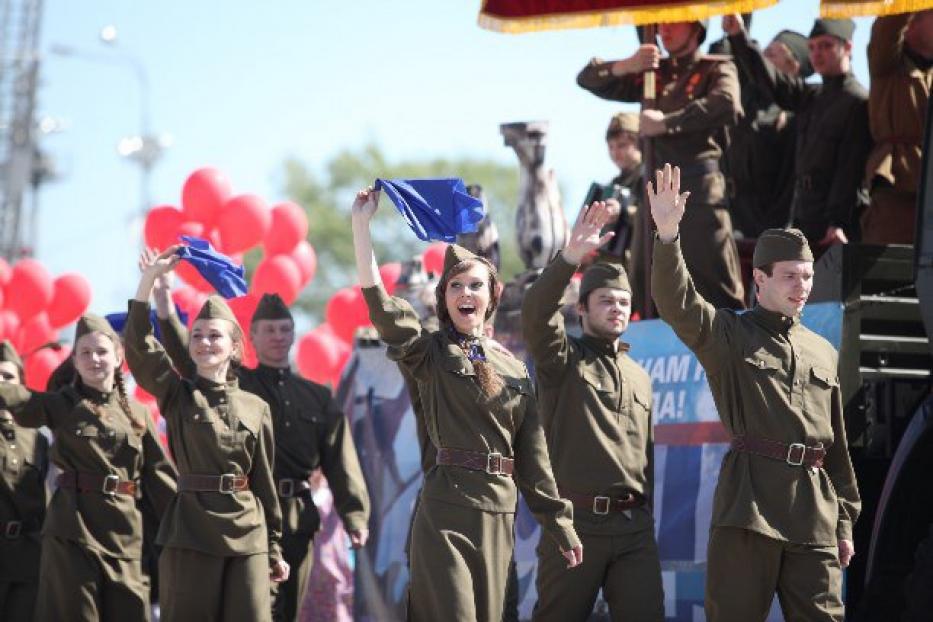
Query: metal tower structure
{"points": [[19, 71]]}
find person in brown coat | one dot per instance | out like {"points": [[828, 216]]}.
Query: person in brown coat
{"points": [[24, 463], [900, 63], [787, 498], [221, 533], [110, 456], [481, 416], [698, 99]]}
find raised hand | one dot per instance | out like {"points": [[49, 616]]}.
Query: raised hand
{"points": [[584, 237], [158, 264], [365, 204], [667, 203], [646, 57]]}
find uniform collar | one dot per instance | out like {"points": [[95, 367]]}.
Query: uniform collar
{"points": [[836, 81], [772, 320], [5, 417], [268, 371], [98, 397], [605, 346], [209, 386], [687, 59]]}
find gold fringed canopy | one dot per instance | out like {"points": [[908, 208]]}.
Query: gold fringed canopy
{"points": [[521, 16], [862, 8]]}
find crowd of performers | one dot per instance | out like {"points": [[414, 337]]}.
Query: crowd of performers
{"points": [[230, 511]]}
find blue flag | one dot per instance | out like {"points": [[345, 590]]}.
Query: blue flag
{"points": [[118, 321], [217, 269], [435, 209]]}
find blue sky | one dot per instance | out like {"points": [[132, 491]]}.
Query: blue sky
{"points": [[242, 85]]}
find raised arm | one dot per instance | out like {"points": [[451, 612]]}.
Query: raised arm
{"points": [[679, 304], [886, 46], [789, 92], [395, 320], [174, 334], [620, 80], [542, 321]]}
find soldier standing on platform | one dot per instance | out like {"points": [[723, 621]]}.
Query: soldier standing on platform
{"points": [[310, 432], [596, 413], [900, 63], [24, 460], [698, 99], [832, 128], [787, 498]]}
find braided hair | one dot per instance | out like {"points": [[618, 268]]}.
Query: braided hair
{"points": [[488, 378], [138, 425]]}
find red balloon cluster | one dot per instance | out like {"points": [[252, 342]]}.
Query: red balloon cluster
{"points": [[34, 306]]}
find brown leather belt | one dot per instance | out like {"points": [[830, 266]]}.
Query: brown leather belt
{"points": [[494, 463], [601, 504], [288, 487], [96, 482], [226, 484], [11, 530], [794, 454]]}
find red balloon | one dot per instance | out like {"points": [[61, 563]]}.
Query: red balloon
{"points": [[35, 333], [278, 274], [243, 223], [162, 225], [433, 258], [192, 277], [390, 273], [204, 194], [243, 308], [9, 324], [306, 258], [318, 355], [346, 311], [5, 272], [192, 228], [344, 357], [30, 288], [289, 227], [39, 367], [1, 297], [71, 297]]}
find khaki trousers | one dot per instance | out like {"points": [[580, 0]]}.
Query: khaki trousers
{"points": [[626, 567], [459, 563], [77, 583], [213, 588], [745, 569], [18, 600]]}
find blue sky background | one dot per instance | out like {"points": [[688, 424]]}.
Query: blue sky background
{"points": [[242, 85]]}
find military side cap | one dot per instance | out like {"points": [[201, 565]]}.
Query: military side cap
{"points": [[215, 308], [90, 323], [8, 354], [840, 28], [623, 122], [781, 245], [796, 43], [271, 307], [454, 255], [603, 273]]}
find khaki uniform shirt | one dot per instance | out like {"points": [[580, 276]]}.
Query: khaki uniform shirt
{"points": [[699, 96], [105, 444], [771, 378], [595, 408], [213, 429], [458, 415], [310, 433], [832, 140], [24, 463], [897, 104]]}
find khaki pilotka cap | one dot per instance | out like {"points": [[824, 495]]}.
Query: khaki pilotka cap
{"points": [[622, 122], [839, 28], [8, 354], [90, 323], [456, 254], [781, 245], [603, 273], [215, 308], [271, 307]]}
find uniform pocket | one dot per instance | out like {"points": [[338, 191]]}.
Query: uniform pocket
{"points": [[823, 377], [763, 361]]}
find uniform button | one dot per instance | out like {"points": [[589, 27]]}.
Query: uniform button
{"points": [[761, 364], [281, 383], [797, 382], [288, 424], [111, 433], [223, 400], [13, 446], [197, 417], [287, 403], [14, 461]]}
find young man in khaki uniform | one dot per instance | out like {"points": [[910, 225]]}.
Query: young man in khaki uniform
{"points": [[698, 98], [24, 463], [787, 497], [595, 404], [310, 433]]}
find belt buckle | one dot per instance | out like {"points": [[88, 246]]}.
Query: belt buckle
{"points": [[13, 529], [227, 484], [606, 504], [494, 463], [286, 488], [790, 451], [110, 485]]}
